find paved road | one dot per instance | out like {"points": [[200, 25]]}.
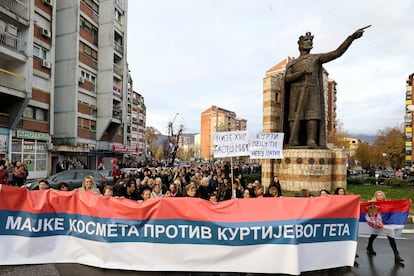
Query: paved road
{"points": [[380, 265]]}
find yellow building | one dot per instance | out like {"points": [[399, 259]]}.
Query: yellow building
{"points": [[351, 144]]}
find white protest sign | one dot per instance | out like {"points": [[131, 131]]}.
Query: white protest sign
{"points": [[231, 143], [266, 145]]}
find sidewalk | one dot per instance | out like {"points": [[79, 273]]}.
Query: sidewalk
{"points": [[408, 229]]}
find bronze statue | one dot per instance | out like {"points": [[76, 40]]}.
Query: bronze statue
{"points": [[304, 105]]}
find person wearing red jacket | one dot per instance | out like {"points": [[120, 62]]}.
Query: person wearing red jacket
{"points": [[4, 175], [116, 173]]}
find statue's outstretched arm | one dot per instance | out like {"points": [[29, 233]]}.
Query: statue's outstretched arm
{"points": [[343, 47]]}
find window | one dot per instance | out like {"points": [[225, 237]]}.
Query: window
{"points": [[83, 48], [91, 4], [88, 76], [35, 113], [65, 177], [118, 38], [39, 52], [28, 112], [118, 15], [88, 27], [40, 114], [32, 151]]}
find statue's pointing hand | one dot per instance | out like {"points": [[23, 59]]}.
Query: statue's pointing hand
{"points": [[358, 33]]}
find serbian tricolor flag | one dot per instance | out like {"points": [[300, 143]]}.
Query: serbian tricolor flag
{"points": [[385, 218]]}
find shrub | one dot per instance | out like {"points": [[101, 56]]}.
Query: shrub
{"points": [[371, 180], [355, 180], [396, 182]]}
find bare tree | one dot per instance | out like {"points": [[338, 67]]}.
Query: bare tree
{"points": [[173, 141]]}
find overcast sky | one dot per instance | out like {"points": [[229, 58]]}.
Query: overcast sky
{"points": [[187, 55]]}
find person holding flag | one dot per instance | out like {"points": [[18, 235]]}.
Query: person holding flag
{"points": [[384, 217]]}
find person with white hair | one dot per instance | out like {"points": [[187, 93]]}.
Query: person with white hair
{"points": [[380, 196]]}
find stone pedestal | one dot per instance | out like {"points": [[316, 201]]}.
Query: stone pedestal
{"points": [[308, 168]]}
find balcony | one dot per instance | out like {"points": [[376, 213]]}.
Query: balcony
{"points": [[87, 85], [95, 17], [117, 113], [90, 12], [118, 69], [18, 7], [87, 60], [12, 42], [12, 80], [119, 48], [4, 119]]}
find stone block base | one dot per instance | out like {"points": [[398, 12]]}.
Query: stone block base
{"points": [[307, 168]]}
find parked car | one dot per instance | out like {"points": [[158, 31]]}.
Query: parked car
{"points": [[381, 175], [71, 177]]}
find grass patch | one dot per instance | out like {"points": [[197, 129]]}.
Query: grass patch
{"points": [[366, 192], [392, 192], [364, 187]]}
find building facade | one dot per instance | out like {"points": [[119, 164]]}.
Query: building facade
{"points": [[27, 82], [65, 88], [217, 119], [330, 106], [91, 87], [351, 144], [408, 121], [136, 121]]}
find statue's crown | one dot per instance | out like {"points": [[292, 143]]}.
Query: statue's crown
{"points": [[307, 36], [372, 208]]}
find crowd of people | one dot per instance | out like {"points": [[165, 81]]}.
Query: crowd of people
{"points": [[14, 174], [207, 181]]}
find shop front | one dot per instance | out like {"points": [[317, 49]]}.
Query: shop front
{"points": [[115, 155], [4, 141], [32, 148]]}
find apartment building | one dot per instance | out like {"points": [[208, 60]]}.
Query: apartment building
{"points": [[65, 88], [408, 129], [217, 119], [27, 82], [330, 107], [91, 82], [136, 122], [351, 144]]}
